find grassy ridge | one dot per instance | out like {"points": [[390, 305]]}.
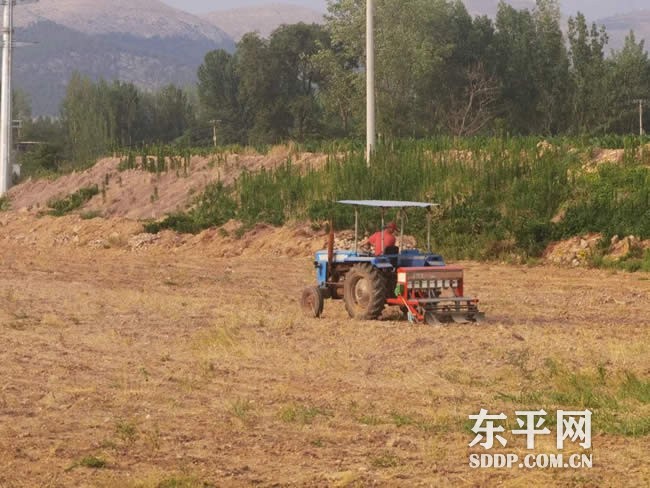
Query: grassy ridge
{"points": [[498, 195]]}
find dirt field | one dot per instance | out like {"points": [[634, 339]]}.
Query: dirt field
{"points": [[174, 366]]}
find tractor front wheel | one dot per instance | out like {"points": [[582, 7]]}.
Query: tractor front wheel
{"points": [[364, 292], [311, 302]]}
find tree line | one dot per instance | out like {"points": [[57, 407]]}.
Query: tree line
{"points": [[439, 71]]}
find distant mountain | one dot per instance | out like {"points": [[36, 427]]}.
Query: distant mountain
{"points": [[140, 18], [140, 41], [489, 7], [597, 9], [619, 26], [263, 19]]}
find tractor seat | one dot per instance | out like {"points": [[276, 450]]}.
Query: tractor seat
{"points": [[391, 250]]}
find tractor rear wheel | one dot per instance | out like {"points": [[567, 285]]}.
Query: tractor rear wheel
{"points": [[364, 292], [311, 302]]}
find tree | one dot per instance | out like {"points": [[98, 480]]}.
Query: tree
{"points": [[470, 114], [265, 115], [588, 75], [467, 85], [423, 55], [124, 112], [173, 113], [516, 52], [84, 121], [293, 48], [552, 63], [341, 90], [21, 106], [629, 80], [218, 91]]}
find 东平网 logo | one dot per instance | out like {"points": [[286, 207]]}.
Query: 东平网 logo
{"points": [[571, 427]]}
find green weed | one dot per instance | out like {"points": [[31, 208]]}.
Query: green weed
{"points": [[92, 462], [386, 460], [613, 398], [498, 196], [212, 208], [181, 482], [370, 420], [126, 431], [63, 206], [401, 420], [241, 408], [5, 203], [633, 387], [91, 214], [301, 414]]}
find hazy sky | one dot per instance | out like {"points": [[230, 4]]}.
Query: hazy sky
{"points": [[200, 6], [592, 8]]}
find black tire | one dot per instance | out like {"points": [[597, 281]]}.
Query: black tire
{"points": [[311, 302], [364, 292]]}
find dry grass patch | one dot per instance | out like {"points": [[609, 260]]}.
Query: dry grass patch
{"points": [[206, 382]]}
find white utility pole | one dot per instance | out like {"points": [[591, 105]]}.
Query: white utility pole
{"points": [[370, 79], [640, 117], [214, 131], [640, 101], [6, 167]]}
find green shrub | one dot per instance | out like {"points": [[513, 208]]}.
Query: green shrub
{"points": [[73, 201], [497, 196], [213, 207], [92, 462], [44, 160], [5, 203]]}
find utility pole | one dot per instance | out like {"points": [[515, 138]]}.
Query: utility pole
{"points": [[5, 98], [6, 166], [370, 80], [214, 131], [640, 101]]}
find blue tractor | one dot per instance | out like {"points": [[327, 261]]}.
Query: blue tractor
{"points": [[420, 283]]}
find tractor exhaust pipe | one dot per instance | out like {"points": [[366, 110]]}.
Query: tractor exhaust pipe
{"points": [[330, 251]]}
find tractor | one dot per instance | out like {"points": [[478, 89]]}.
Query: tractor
{"points": [[421, 284]]}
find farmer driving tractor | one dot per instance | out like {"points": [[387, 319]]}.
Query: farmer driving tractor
{"points": [[389, 240], [419, 282]]}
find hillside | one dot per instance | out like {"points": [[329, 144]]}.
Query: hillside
{"points": [[140, 18], [263, 19], [596, 9], [140, 41], [489, 7], [129, 193]]}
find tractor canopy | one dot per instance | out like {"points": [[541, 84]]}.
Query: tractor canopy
{"points": [[388, 203]]}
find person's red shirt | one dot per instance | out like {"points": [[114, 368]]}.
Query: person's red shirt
{"points": [[375, 240]]}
